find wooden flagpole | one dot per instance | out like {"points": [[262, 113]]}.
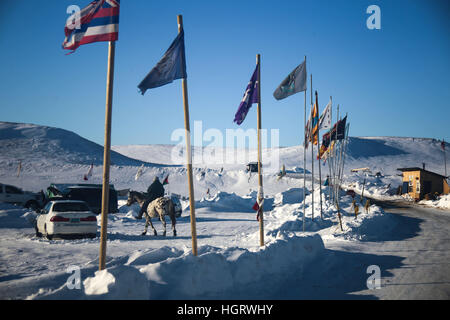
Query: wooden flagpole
{"points": [[260, 180], [107, 154], [304, 159], [188, 153]]}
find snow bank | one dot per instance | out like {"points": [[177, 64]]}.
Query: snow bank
{"points": [[12, 216], [382, 187], [214, 273], [224, 202], [218, 273], [291, 196], [443, 202]]}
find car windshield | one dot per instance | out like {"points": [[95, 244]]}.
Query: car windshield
{"points": [[70, 207]]}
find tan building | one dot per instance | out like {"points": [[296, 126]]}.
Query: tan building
{"points": [[418, 182]]}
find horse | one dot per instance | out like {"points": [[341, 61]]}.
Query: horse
{"points": [[162, 207]]}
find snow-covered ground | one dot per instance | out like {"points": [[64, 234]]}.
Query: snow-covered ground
{"points": [[443, 202], [230, 262]]}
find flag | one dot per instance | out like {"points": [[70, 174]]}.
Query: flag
{"points": [[326, 139], [250, 97], [314, 136], [325, 118], [340, 127], [322, 151], [257, 206], [89, 174], [166, 180], [99, 21], [172, 66], [307, 132], [295, 82]]}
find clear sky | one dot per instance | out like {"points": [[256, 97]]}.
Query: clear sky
{"points": [[391, 82]]}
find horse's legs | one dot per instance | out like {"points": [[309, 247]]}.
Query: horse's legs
{"points": [[148, 221], [146, 224], [174, 221], [151, 224], [163, 220]]}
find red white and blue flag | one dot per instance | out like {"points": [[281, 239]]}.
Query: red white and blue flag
{"points": [[99, 21]]}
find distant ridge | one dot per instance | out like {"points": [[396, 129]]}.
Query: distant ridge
{"points": [[30, 142]]}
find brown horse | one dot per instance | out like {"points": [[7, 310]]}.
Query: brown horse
{"points": [[162, 207]]}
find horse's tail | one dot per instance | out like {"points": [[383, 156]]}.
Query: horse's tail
{"points": [[171, 211]]}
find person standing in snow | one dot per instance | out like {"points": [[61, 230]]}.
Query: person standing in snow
{"points": [[154, 191]]}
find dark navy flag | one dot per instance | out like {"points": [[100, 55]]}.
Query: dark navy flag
{"points": [[333, 135], [172, 66], [250, 97], [295, 82]]}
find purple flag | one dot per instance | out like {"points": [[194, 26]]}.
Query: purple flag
{"points": [[250, 97]]}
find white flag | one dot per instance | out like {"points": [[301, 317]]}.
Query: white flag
{"points": [[89, 174], [325, 118]]}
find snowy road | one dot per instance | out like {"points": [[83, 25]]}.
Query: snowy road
{"points": [[413, 257]]}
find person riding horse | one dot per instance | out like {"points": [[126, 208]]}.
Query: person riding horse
{"points": [[154, 191]]}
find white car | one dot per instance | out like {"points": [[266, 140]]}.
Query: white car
{"points": [[66, 219], [14, 195]]}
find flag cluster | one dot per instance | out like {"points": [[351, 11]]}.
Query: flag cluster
{"points": [[99, 21], [338, 132]]}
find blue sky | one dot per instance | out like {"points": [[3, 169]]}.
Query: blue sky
{"points": [[391, 82]]}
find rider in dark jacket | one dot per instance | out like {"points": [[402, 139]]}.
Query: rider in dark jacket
{"points": [[154, 191]]}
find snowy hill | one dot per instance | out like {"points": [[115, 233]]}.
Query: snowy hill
{"points": [[387, 154], [34, 143], [51, 155], [380, 154]]}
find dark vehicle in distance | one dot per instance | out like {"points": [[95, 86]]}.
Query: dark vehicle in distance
{"points": [[89, 193], [252, 167]]}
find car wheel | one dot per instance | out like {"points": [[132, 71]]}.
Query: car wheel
{"points": [[38, 234], [48, 236]]}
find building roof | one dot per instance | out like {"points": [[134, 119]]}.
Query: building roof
{"points": [[422, 170]]}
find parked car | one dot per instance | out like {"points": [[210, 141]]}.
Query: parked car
{"points": [[90, 193], [66, 219], [14, 195]]}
